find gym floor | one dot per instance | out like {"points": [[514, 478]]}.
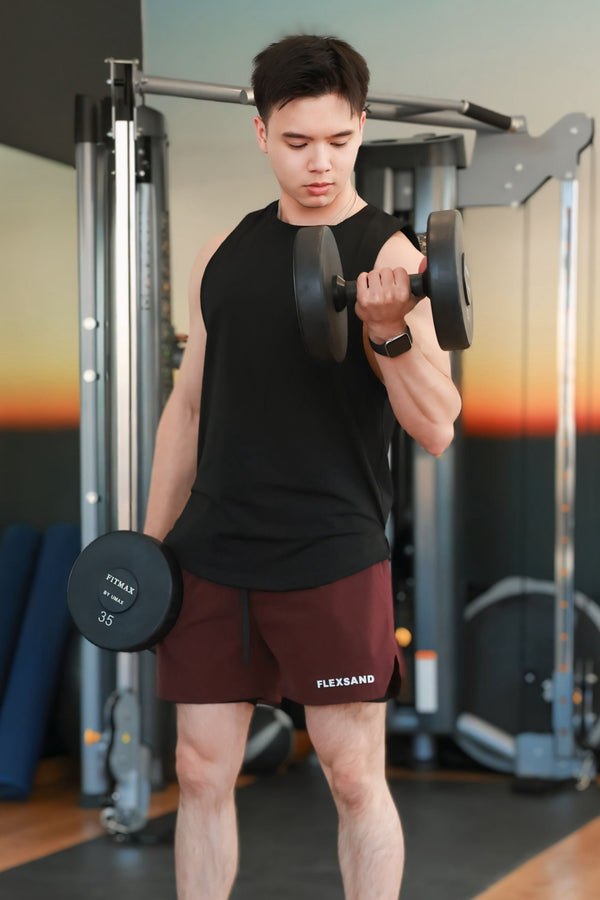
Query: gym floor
{"points": [[468, 835]]}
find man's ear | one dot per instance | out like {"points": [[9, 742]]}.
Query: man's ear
{"points": [[261, 133], [363, 117]]}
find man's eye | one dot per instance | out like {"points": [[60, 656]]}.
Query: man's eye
{"points": [[339, 143], [296, 146]]}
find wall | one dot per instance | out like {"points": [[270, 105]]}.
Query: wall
{"points": [[518, 58], [39, 398], [49, 52]]}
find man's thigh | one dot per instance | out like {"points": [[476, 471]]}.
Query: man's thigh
{"points": [[213, 734], [349, 735]]}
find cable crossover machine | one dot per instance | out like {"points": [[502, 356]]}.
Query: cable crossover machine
{"points": [[128, 350]]}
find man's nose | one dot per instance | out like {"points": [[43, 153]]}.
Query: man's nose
{"points": [[319, 160]]}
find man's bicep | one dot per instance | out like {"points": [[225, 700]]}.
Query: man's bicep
{"points": [[399, 251]]}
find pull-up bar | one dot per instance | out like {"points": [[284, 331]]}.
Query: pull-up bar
{"points": [[452, 113]]}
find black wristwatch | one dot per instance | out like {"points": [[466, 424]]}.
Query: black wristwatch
{"points": [[395, 346]]}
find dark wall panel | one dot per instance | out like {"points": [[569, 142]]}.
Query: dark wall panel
{"points": [[50, 51], [39, 477], [510, 511]]}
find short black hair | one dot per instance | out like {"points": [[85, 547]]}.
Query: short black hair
{"points": [[308, 65]]}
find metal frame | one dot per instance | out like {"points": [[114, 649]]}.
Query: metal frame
{"points": [[420, 175], [90, 158], [497, 137], [388, 107], [566, 434], [554, 756], [125, 379]]}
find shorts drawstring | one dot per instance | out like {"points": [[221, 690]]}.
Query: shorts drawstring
{"points": [[245, 607]]}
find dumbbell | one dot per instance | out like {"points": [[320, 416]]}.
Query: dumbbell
{"points": [[322, 295], [125, 591]]}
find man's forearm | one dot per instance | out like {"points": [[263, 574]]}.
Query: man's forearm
{"points": [[425, 400], [173, 469]]}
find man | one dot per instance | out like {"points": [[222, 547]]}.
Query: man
{"points": [[271, 483]]}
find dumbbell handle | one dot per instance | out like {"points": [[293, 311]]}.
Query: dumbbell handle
{"points": [[344, 292]]}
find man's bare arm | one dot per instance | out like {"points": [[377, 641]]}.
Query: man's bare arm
{"points": [[175, 454], [423, 396]]}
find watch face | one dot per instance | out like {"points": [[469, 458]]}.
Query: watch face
{"points": [[399, 344], [395, 346]]}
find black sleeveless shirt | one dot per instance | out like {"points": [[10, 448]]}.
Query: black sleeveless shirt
{"points": [[293, 487]]}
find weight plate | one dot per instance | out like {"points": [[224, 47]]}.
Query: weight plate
{"points": [[143, 586], [449, 282], [317, 263]]}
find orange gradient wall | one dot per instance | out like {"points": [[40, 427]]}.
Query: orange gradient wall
{"points": [[509, 374], [510, 384], [38, 294]]}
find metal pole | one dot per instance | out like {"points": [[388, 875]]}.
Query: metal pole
{"points": [[434, 511], [390, 113], [154, 377], [195, 90], [416, 104], [124, 347], [90, 366], [94, 783], [454, 113], [125, 326], [564, 552]]}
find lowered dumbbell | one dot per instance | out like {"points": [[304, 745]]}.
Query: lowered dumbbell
{"points": [[125, 591], [322, 295]]}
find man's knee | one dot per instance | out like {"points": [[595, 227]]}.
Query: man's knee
{"points": [[210, 749], [204, 777], [353, 786]]}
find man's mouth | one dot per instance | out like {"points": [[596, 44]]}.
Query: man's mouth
{"points": [[318, 187]]}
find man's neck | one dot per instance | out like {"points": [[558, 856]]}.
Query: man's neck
{"points": [[294, 214]]}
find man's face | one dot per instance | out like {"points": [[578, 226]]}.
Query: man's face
{"points": [[312, 145]]}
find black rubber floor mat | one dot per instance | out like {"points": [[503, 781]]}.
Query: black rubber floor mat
{"points": [[461, 837]]}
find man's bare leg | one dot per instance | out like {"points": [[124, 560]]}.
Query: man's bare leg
{"points": [[350, 742], [211, 740]]}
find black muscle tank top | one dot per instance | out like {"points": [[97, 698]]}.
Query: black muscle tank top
{"points": [[293, 486]]}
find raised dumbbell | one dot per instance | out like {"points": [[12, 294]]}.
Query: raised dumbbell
{"points": [[125, 591], [322, 294]]}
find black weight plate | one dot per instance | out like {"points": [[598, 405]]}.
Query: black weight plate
{"points": [[317, 263], [449, 283], [125, 591]]}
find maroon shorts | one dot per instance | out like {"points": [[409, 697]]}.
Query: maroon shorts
{"points": [[325, 645]]}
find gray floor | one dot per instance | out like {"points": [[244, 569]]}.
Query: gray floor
{"points": [[460, 836]]}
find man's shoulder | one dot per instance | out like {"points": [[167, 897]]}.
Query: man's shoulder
{"points": [[253, 219], [257, 215], [220, 242], [400, 230]]}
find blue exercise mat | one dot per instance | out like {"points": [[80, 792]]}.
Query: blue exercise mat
{"points": [[18, 554], [36, 662]]}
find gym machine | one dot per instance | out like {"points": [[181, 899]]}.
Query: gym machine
{"points": [[127, 353], [125, 330], [409, 178]]}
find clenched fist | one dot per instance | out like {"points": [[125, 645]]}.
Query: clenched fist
{"points": [[383, 299]]}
